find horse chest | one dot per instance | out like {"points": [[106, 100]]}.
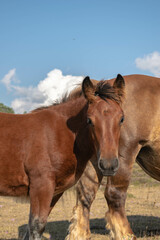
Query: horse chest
{"points": [[69, 174]]}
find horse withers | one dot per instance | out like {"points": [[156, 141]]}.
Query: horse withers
{"points": [[44, 152]]}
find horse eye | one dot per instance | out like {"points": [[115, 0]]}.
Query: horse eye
{"points": [[122, 120], [89, 121]]}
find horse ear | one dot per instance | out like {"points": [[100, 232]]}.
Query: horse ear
{"points": [[88, 89], [119, 85]]}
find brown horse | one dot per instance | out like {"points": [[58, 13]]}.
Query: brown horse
{"points": [[140, 141], [43, 153]]}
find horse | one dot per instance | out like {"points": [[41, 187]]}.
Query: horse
{"points": [[44, 152], [140, 142]]}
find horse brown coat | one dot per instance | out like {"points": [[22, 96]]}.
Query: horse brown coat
{"points": [[139, 141], [43, 153]]}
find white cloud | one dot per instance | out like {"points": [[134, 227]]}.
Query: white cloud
{"points": [[8, 78], [56, 85], [150, 62], [27, 100], [52, 88]]}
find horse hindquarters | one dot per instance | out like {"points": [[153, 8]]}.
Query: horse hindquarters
{"points": [[86, 191]]}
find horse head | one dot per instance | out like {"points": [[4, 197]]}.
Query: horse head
{"points": [[104, 118]]}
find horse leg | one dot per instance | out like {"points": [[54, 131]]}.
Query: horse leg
{"points": [[115, 194], [26, 236], [54, 201], [86, 190], [41, 195]]}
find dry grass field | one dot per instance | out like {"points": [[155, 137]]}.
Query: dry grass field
{"points": [[142, 207]]}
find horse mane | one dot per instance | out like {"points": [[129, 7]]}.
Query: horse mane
{"points": [[103, 89], [76, 93]]}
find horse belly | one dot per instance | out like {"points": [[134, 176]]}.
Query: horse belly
{"points": [[13, 180], [149, 159], [13, 191]]}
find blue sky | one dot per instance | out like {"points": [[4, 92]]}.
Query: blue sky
{"points": [[99, 38]]}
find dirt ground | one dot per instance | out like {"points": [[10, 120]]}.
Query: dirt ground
{"points": [[142, 207]]}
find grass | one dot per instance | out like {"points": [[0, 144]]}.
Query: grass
{"points": [[142, 208]]}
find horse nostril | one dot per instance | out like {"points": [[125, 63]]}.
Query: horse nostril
{"points": [[101, 165], [115, 163], [112, 168]]}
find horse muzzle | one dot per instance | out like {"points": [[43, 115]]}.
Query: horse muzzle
{"points": [[108, 167]]}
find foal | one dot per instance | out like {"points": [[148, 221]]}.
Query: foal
{"points": [[140, 141], [45, 152]]}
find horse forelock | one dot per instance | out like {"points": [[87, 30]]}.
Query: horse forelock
{"points": [[105, 91]]}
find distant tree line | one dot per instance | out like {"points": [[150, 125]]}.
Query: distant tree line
{"points": [[5, 109]]}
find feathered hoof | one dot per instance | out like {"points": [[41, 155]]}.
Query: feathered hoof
{"points": [[77, 228], [129, 237], [118, 229]]}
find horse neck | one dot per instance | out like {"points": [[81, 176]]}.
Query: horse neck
{"points": [[74, 108], [77, 107], [74, 113], [77, 123]]}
